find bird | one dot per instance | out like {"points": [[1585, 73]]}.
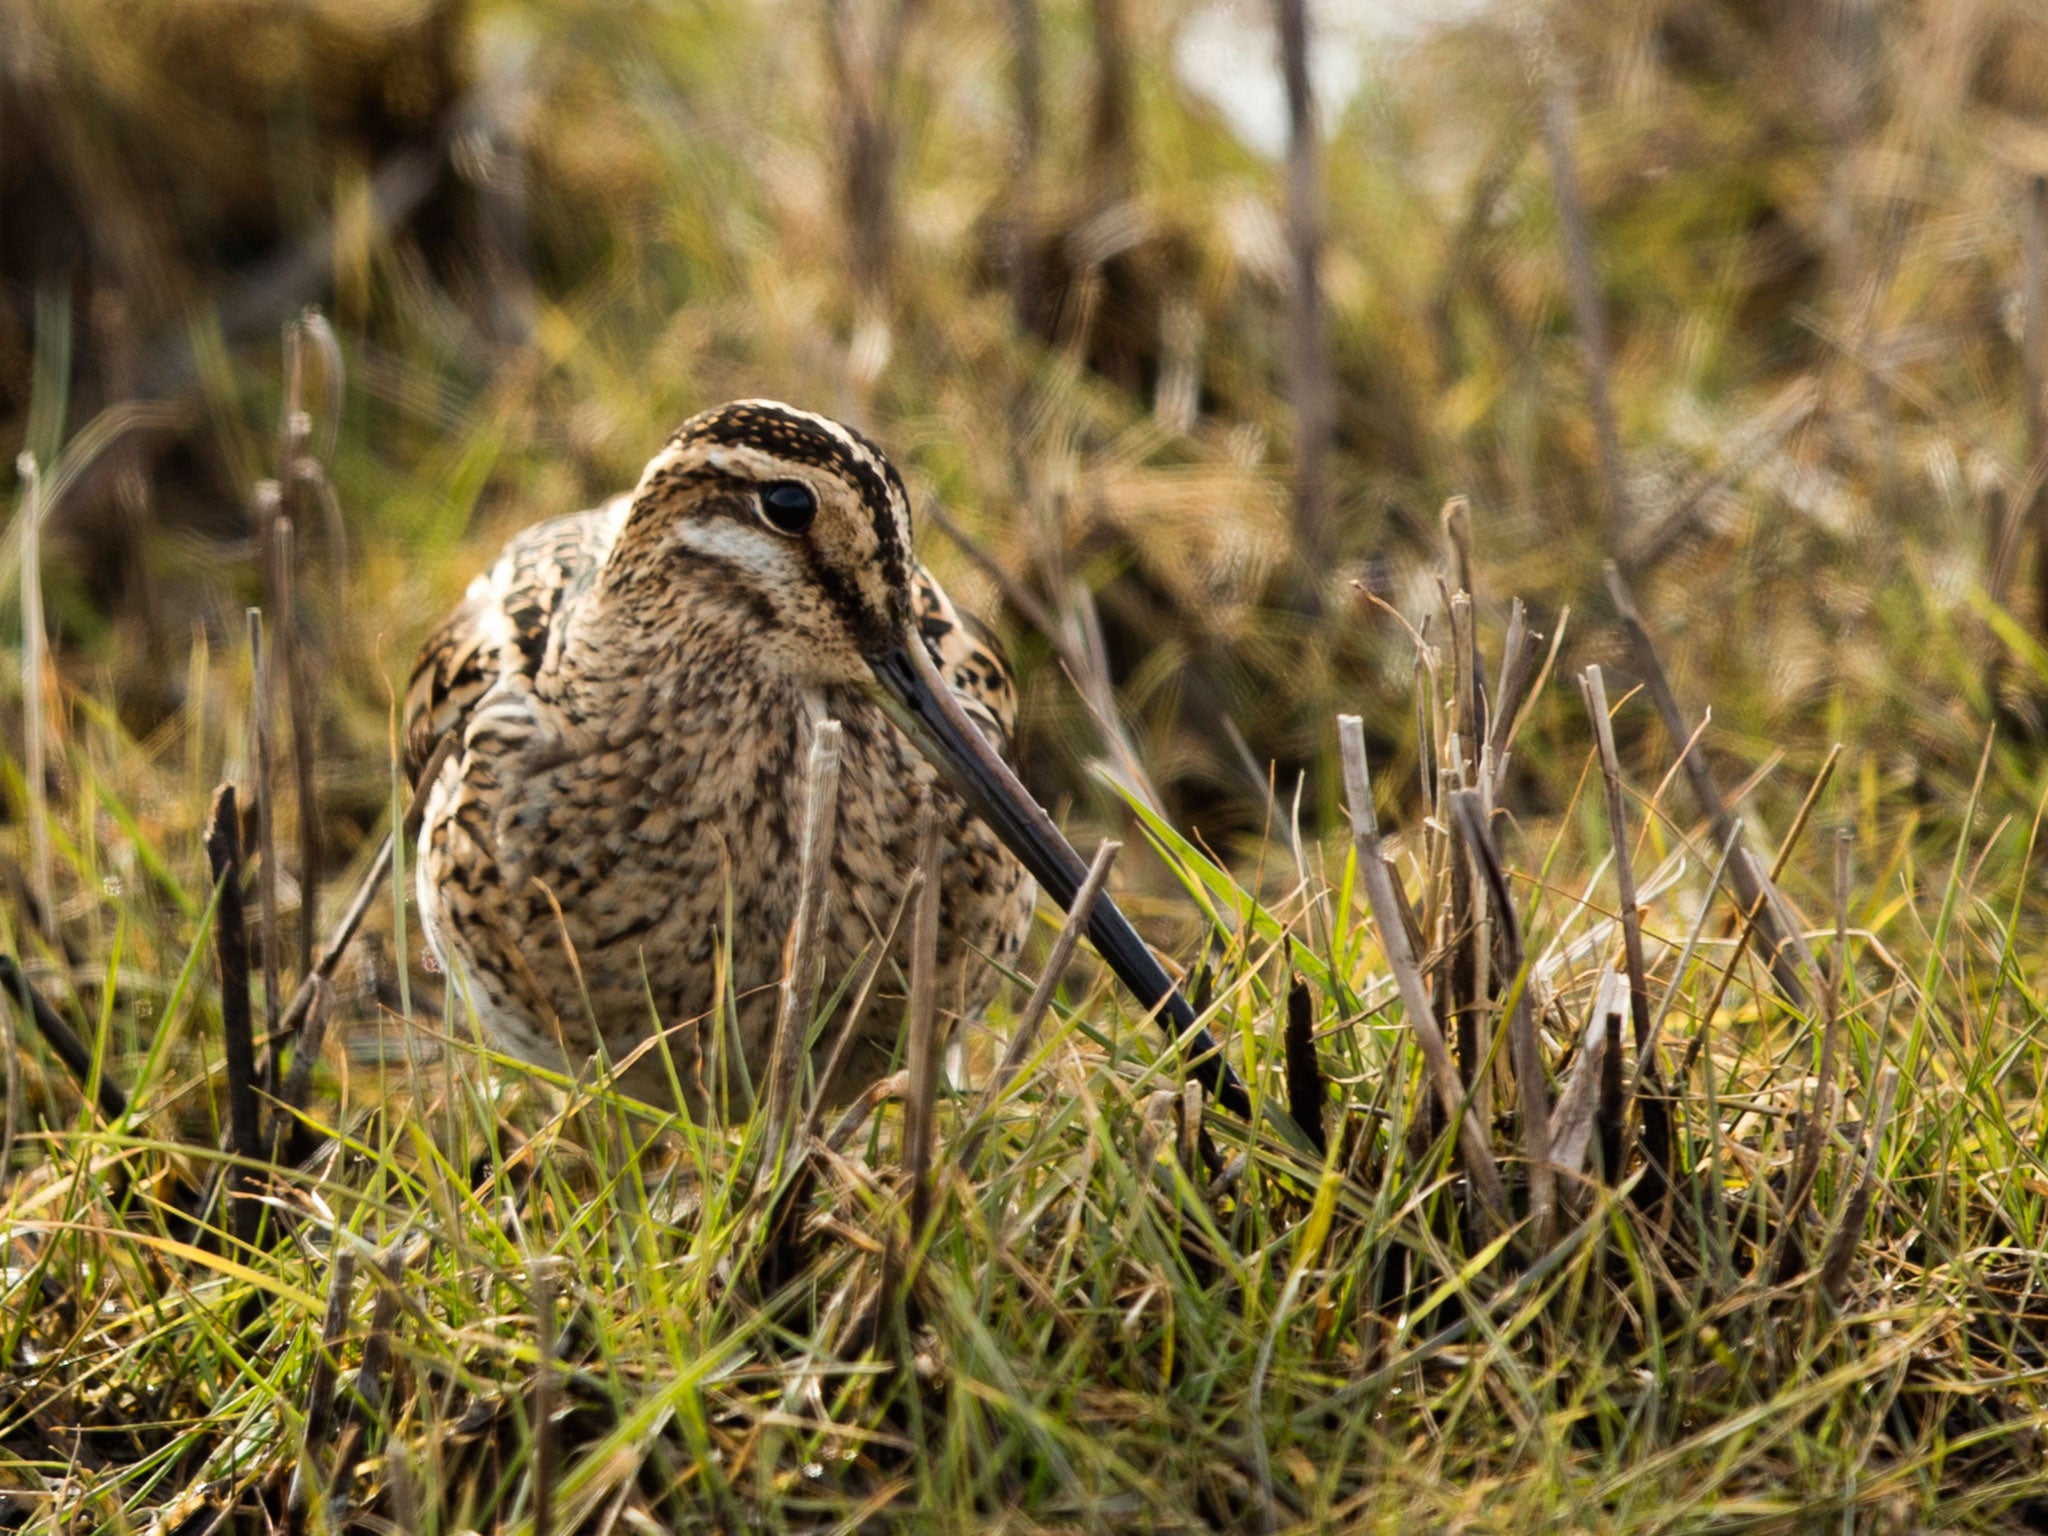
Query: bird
{"points": [[607, 866]]}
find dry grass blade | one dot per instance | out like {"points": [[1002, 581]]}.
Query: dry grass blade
{"points": [[1571, 1127], [1693, 936], [1383, 897], [1656, 1113], [921, 1052], [1520, 662], [1525, 1048], [231, 951], [800, 975], [1025, 1034], [319, 1422], [1753, 442], [1841, 1251], [1587, 308], [1704, 791], [855, 1115], [1819, 1111], [373, 1374]]}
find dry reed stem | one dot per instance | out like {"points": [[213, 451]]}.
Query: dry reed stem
{"points": [[1383, 897], [1311, 387], [1685, 741], [1027, 81], [921, 1052], [266, 825], [231, 952], [1587, 310], [1520, 650], [1820, 1109], [319, 1422], [1610, 1109], [1025, 1034], [1525, 1048], [34, 650], [2034, 365], [1656, 1114], [1753, 915], [1571, 1127], [1463, 938], [1456, 517], [1834, 1270], [1692, 939], [1766, 879], [373, 1374], [800, 976]]}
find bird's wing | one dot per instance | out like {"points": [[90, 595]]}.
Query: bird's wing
{"points": [[969, 657], [501, 628]]}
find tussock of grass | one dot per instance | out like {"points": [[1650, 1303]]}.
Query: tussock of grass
{"points": [[1118, 1317]]}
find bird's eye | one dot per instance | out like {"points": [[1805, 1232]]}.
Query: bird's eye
{"points": [[788, 505]]}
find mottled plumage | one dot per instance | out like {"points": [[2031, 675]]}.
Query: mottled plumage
{"points": [[634, 690]]}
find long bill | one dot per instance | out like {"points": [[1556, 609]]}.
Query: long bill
{"points": [[923, 707]]}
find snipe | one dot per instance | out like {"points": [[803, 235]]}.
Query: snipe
{"points": [[633, 692]]}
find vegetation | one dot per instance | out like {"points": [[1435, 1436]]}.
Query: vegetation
{"points": [[1790, 1277]]}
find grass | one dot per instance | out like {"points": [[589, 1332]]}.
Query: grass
{"points": [[1119, 1318]]}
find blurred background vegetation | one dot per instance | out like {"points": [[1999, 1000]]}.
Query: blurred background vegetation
{"points": [[1049, 253]]}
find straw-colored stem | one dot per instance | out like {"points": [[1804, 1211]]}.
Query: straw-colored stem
{"points": [[1587, 308], [1524, 1047], [1386, 910], [921, 1053], [800, 980], [1834, 1269], [1656, 1114]]}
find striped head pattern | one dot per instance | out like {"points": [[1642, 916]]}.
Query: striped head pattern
{"points": [[807, 517]]}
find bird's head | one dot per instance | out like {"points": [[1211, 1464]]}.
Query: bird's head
{"points": [[800, 522], [808, 526]]}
